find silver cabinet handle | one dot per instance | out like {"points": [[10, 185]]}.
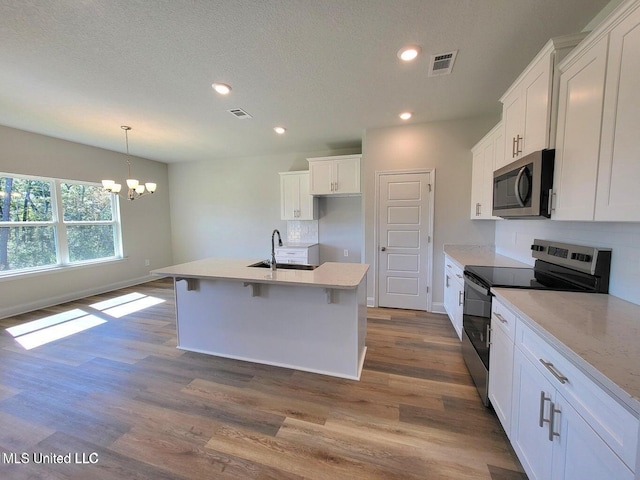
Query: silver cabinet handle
{"points": [[543, 399], [488, 340], [336, 186], [553, 410], [518, 149], [460, 298], [477, 209], [449, 266], [500, 317], [552, 195], [513, 148], [458, 275], [561, 378], [446, 280]]}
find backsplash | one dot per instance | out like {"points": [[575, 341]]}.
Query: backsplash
{"points": [[514, 238], [302, 231]]}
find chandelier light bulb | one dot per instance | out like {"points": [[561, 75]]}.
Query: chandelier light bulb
{"points": [[135, 188]]}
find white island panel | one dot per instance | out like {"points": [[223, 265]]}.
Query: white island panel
{"points": [[314, 321]]}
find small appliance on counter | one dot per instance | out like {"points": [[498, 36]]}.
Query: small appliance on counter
{"points": [[558, 266]]}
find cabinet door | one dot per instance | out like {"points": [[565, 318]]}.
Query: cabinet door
{"points": [[579, 128], [450, 294], [477, 177], [619, 170], [532, 397], [307, 204], [513, 118], [501, 376], [321, 175], [289, 197], [578, 450], [347, 175], [536, 93]]}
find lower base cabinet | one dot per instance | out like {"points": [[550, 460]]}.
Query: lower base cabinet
{"points": [[454, 294], [550, 438], [503, 328]]}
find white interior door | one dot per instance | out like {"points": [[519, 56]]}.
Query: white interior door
{"points": [[403, 237]]}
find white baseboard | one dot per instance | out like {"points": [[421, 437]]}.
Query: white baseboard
{"points": [[371, 302], [438, 308], [71, 296]]}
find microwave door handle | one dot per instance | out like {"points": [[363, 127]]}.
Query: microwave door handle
{"points": [[517, 186]]}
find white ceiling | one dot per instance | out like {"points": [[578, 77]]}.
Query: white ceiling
{"points": [[327, 70]]}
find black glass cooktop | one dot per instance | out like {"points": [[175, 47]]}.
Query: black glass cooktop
{"points": [[545, 278]]}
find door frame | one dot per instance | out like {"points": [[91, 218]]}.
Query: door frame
{"points": [[376, 225]]}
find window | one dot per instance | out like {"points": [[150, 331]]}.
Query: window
{"points": [[47, 223]]}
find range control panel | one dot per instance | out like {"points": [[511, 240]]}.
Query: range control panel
{"points": [[579, 257]]}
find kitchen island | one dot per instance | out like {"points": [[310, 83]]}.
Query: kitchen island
{"points": [[311, 320]]}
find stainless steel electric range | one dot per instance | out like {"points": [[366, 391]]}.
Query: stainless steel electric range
{"points": [[558, 266]]}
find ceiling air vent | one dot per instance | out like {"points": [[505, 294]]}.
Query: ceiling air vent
{"points": [[238, 112], [442, 64]]}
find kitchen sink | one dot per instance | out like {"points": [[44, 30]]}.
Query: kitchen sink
{"points": [[285, 266]]}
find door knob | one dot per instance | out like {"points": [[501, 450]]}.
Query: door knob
{"points": [[384, 249]]}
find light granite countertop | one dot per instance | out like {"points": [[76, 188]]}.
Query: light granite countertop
{"points": [[328, 275], [598, 333], [464, 255]]}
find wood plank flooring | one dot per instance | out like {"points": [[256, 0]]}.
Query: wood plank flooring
{"points": [[123, 391]]}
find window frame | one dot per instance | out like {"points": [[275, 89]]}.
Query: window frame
{"points": [[60, 227]]}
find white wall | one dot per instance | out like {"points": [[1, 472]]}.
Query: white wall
{"points": [[229, 207], [514, 238], [446, 147], [340, 229], [145, 222]]}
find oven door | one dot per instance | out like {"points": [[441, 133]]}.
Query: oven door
{"points": [[476, 318]]}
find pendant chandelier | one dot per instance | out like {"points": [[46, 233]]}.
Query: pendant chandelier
{"points": [[135, 188]]}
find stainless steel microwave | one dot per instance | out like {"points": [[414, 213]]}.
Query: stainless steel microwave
{"points": [[522, 189]]}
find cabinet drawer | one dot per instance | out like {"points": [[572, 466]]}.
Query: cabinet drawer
{"points": [[611, 421], [452, 269], [503, 318]]}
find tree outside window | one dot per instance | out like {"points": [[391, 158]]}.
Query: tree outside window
{"points": [[47, 223]]}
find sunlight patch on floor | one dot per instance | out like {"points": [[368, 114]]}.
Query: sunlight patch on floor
{"points": [[58, 331]]}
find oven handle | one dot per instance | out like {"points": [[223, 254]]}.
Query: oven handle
{"points": [[469, 280], [517, 186]]}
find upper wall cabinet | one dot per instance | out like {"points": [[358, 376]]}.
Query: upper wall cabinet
{"points": [[486, 153], [295, 201], [597, 166], [338, 175], [528, 107]]}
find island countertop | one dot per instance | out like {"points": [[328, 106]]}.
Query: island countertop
{"points": [[328, 275]]}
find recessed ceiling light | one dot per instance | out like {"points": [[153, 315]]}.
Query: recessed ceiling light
{"points": [[405, 115], [279, 130], [221, 88], [409, 53]]}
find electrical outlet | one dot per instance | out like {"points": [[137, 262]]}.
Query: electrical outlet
{"points": [[146, 262], [346, 252]]}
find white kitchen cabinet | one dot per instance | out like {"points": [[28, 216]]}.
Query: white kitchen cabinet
{"points": [[339, 175], [578, 141], [298, 254], [597, 165], [617, 196], [503, 326], [564, 425], [486, 153], [528, 106], [296, 203], [454, 294]]}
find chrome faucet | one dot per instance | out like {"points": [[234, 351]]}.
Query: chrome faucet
{"points": [[273, 248]]}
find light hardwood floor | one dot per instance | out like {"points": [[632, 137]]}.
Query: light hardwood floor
{"points": [[150, 411]]}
